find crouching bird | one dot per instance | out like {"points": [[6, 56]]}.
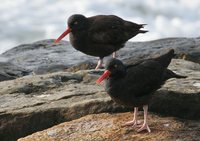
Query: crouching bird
{"points": [[100, 35], [134, 85]]}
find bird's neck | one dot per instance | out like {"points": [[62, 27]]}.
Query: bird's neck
{"points": [[117, 77], [78, 40], [114, 85]]}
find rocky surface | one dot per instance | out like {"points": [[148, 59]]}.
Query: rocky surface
{"points": [[44, 56], [9, 71], [107, 127], [37, 102], [180, 97], [33, 103], [185, 48], [60, 86]]}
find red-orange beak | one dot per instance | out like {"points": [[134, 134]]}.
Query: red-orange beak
{"points": [[103, 76], [62, 35]]}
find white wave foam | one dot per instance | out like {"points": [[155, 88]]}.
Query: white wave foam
{"points": [[24, 21]]}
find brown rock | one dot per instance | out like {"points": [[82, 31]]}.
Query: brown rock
{"points": [[37, 102], [107, 127]]}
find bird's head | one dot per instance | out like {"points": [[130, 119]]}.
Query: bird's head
{"points": [[114, 68], [76, 22]]}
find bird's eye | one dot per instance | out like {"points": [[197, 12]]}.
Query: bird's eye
{"points": [[75, 23], [115, 66]]}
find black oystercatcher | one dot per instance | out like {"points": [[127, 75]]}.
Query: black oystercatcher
{"points": [[100, 35], [135, 84]]}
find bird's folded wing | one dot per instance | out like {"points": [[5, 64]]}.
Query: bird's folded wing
{"points": [[144, 77], [106, 29]]}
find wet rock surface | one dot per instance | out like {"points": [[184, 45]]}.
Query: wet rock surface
{"points": [[107, 127], [9, 71], [185, 48], [44, 56]]}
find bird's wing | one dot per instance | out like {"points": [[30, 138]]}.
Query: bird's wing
{"points": [[144, 77], [110, 29]]}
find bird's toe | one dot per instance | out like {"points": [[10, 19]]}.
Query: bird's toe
{"points": [[144, 127]]}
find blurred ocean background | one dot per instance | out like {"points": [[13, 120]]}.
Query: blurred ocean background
{"points": [[26, 21]]}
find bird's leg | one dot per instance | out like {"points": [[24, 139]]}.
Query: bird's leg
{"points": [[99, 64], [134, 121], [114, 55], [145, 125]]}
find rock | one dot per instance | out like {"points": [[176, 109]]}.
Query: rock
{"points": [[37, 102], [45, 56], [107, 127], [33, 103], [185, 48], [180, 97], [9, 71], [87, 65]]}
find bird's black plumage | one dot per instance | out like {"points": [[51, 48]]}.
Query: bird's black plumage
{"points": [[134, 85], [100, 35]]}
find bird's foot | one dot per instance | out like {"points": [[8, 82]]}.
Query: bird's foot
{"points": [[99, 64], [131, 123], [114, 55], [97, 67], [144, 127]]}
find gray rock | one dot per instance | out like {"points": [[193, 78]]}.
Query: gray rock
{"points": [[180, 97], [45, 56], [185, 48], [36, 102], [9, 71]]}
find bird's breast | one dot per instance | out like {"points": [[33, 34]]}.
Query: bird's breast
{"points": [[77, 41]]}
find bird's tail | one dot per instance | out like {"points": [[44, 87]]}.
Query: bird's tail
{"points": [[170, 74], [165, 59], [143, 31], [142, 26]]}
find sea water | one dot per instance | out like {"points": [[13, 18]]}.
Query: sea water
{"points": [[26, 21]]}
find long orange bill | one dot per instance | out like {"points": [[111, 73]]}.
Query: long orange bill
{"points": [[62, 35], [103, 76]]}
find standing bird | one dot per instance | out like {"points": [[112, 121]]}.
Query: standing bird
{"points": [[100, 35], [134, 85]]}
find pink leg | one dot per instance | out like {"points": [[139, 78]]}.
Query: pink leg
{"points": [[145, 125], [114, 54], [134, 121], [99, 64]]}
